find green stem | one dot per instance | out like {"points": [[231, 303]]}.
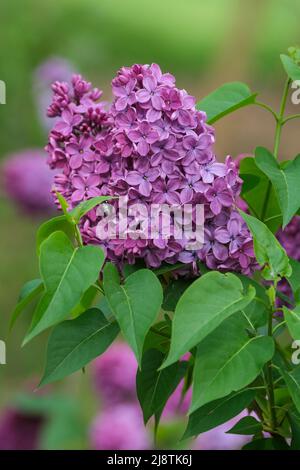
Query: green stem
{"points": [[268, 108], [78, 236], [279, 124], [281, 117], [289, 118], [269, 379]]}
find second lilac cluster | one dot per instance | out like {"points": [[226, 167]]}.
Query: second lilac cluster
{"points": [[153, 147]]}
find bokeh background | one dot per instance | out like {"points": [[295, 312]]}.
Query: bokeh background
{"points": [[204, 43]]}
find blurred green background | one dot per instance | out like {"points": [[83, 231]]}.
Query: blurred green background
{"points": [[203, 42]]}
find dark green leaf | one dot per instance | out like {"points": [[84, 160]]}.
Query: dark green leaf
{"points": [[294, 419], [268, 250], [202, 308], [225, 100], [173, 292], [294, 279], [74, 343], [218, 412], [155, 387], [284, 180], [135, 304], [261, 199], [246, 426], [28, 293], [67, 274], [275, 443], [228, 360]]}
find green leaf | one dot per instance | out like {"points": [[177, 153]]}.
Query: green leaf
{"points": [[159, 337], [257, 310], [228, 360], [28, 293], [294, 419], [86, 206], [135, 303], [294, 279], [202, 308], [225, 100], [292, 318], [284, 180], [292, 380], [56, 224], [63, 203], [270, 443], [74, 343], [67, 274], [218, 412], [173, 292], [268, 250], [246, 426], [261, 199], [155, 387], [291, 68]]}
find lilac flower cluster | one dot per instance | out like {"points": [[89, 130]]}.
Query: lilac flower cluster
{"points": [[27, 180], [152, 146]]}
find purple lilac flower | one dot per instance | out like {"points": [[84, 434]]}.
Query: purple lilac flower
{"points": [[27, 180], [19, 431], [120, 428], [152, 146]]}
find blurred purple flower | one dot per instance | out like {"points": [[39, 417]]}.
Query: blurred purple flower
{"points": [[217, 439], [19, 431], [27, 180], [119, 428], [51, 70]]}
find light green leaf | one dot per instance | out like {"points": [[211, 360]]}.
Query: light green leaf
{"points": [[261, 199], [63, 203], [268, 250], [218, 412], [135, 303], [246, 426], [202, 308], [155, 387], [292, 380], [56, 224], [74, 343], [291, 68], [292, 318], [86, 206], [67, 274], [225, 100], [256, 312], [28, 293], [228, 360], [294, 279], [284, 180]]}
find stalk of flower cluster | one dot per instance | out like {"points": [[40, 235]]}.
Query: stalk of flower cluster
{"points": [[269, 372]]}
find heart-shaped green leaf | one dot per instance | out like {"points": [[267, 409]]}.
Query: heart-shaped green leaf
{"points": [[74, 343], [202, 308], [225, 100], [135, 303]]}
